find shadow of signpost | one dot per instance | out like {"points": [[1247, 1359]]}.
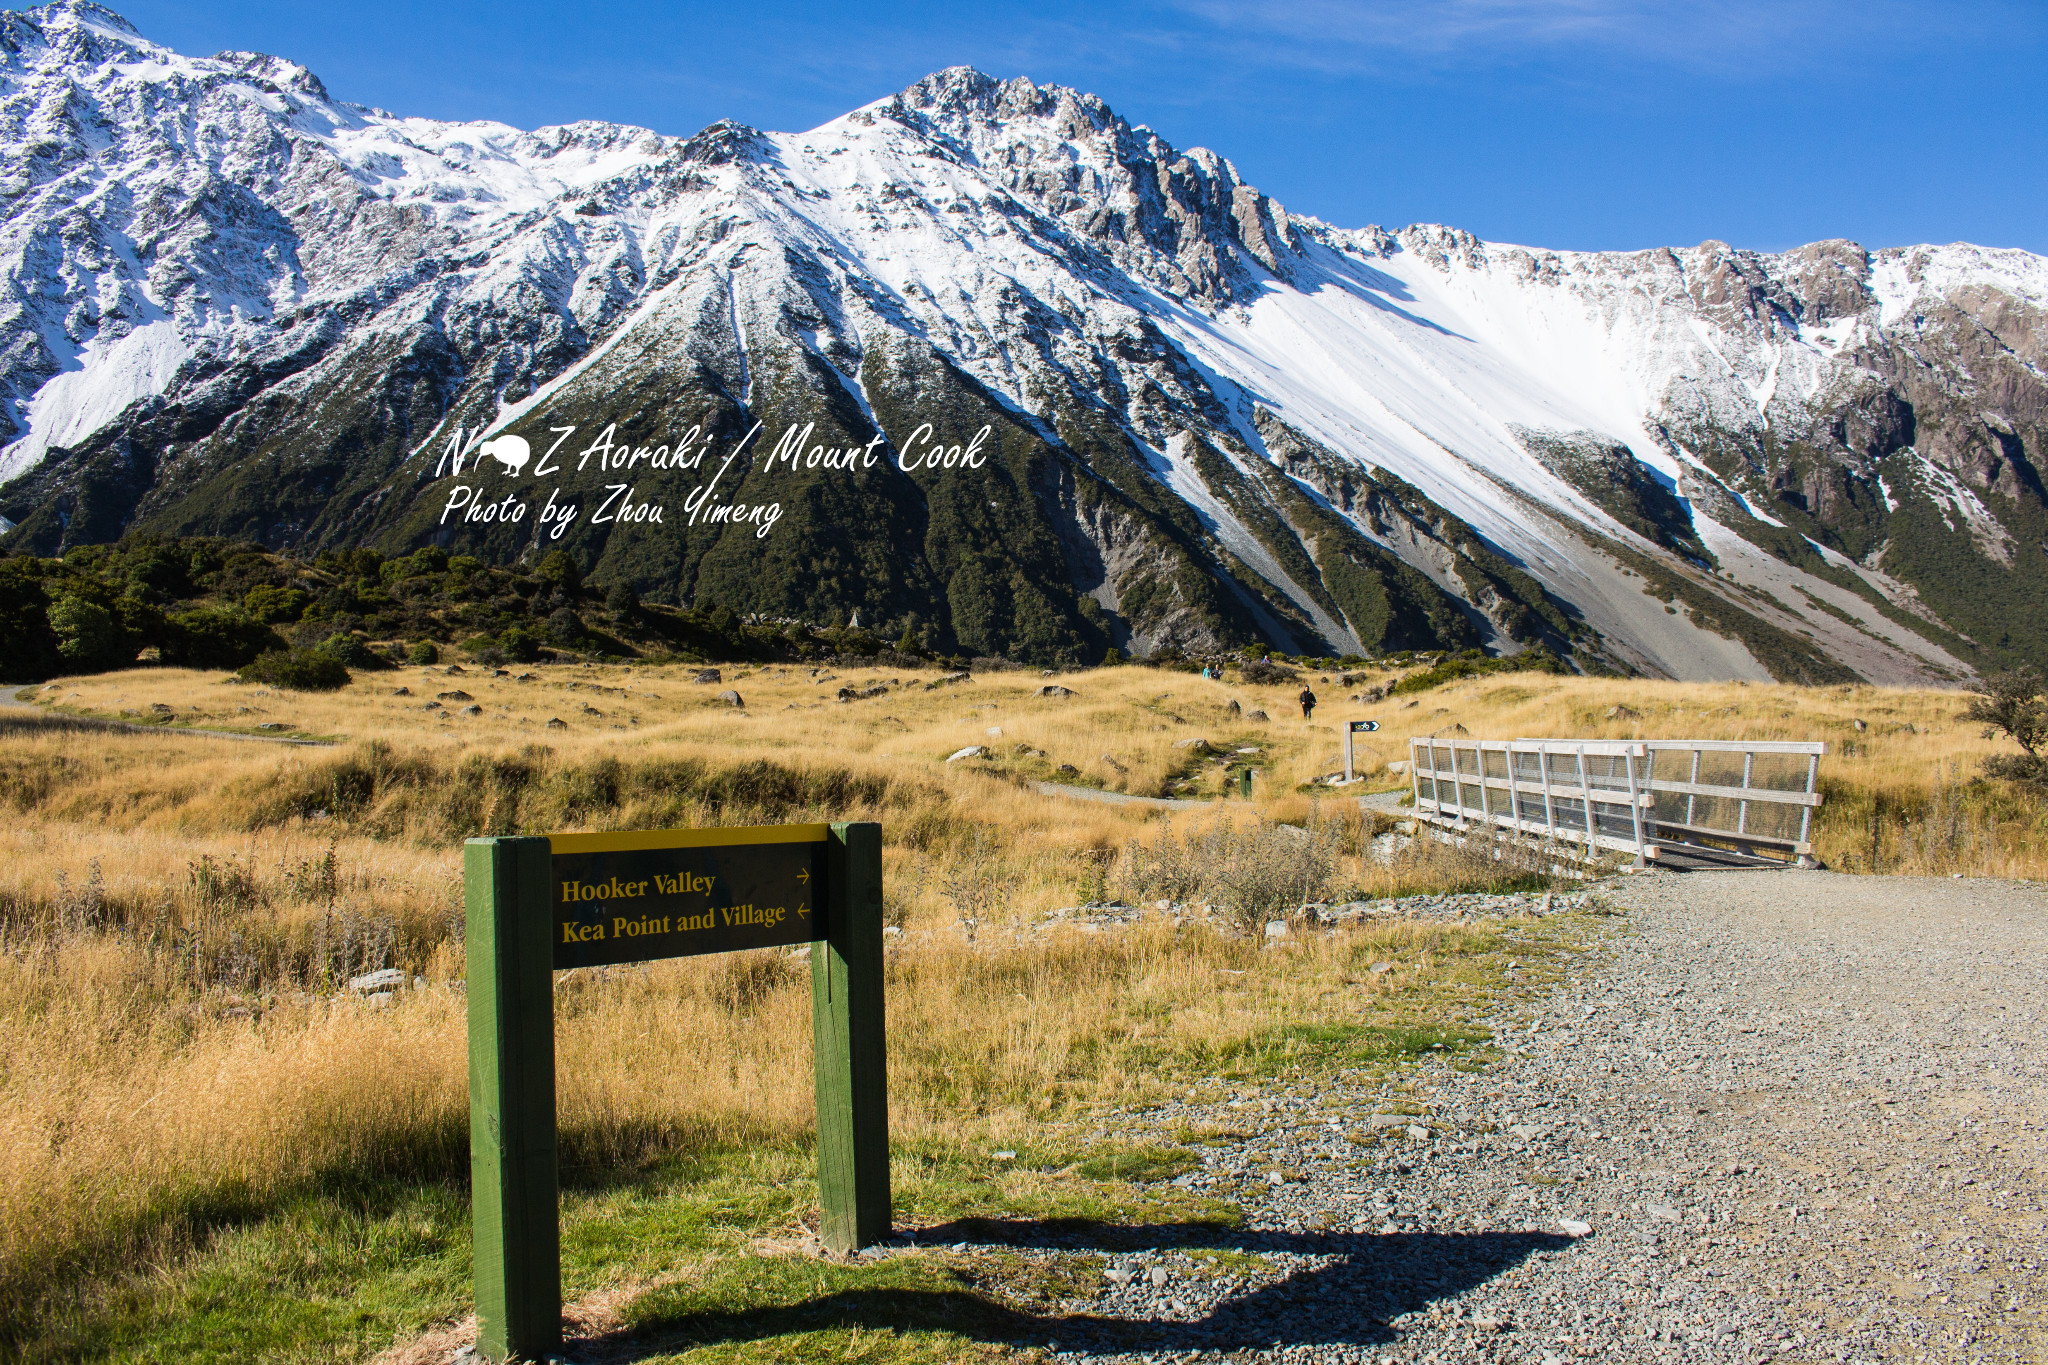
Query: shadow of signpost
{"points": [[1348, 1300]]}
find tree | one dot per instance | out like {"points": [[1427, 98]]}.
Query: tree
{"points": [[2011, 704], [520, 645], [89, 637], [559, 568], [28, 647], [564, 627], [272, 605], [622, 602], [216, 637]]}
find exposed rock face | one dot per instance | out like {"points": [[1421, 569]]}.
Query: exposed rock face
{"points": [[234, 304]]}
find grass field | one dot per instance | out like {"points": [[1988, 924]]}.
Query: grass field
{"points": [[210, 1140]]}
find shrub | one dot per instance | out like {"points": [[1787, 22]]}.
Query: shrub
{"points": [[520, 645], [425, 652], [28, 646], [432, 560], [559, 568], [1260, 673], [1253, 874], [88, 636], [2011, 705], [1472, 663], [302, 670], [274, 605], [354, 652], [216, 637], [564, 627]]}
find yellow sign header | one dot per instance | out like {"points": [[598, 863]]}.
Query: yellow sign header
{"points": [[635, 840]]}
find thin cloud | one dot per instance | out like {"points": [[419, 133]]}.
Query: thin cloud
{"points": [[1720, 36]]}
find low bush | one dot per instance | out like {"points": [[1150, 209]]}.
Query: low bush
{"points": [[1473, 664], [1253, 873], [1264, 673], [217, 637], [301, 670]]}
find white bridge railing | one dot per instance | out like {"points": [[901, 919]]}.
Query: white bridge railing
{"points": [[1625, 796]]}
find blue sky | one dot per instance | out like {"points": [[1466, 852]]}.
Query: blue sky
{"points": [[1591, 124]]}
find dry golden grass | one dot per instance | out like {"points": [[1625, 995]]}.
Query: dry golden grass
{"points": [[177, 911]]}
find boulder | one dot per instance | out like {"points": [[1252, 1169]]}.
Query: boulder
{"points": [[708, 675], [472, 710], [457, 695], [971, 751], [1055, 690], [557, 723], [730, 698], [1623, 713], [1258, 715], [1200, 746], [389, 979]]}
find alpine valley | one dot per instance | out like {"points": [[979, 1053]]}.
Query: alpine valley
{"points": [[237, 306]]}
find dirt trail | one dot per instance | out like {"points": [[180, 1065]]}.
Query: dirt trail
{"points": [[15, 706]]}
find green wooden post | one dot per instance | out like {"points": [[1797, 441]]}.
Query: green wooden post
{"points": [[513, 1189], [1245, 779], [846, 1015]]}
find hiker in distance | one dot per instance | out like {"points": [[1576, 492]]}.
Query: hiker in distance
{"points": [[1308, 702]]}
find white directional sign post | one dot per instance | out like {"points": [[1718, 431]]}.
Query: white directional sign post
{"points": [[1355, 727]]}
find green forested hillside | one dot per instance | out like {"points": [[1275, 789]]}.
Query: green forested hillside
{"points": [[205, 602]]}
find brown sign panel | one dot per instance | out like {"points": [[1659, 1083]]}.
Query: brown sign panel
{"points": [[629, 897]]}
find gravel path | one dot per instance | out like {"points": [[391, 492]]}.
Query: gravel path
{"points": [[1116, 798], [1780, 1115]]}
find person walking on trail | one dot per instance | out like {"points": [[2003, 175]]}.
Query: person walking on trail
{"points": [[1308, 702]]}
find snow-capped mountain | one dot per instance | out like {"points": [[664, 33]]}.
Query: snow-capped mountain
{"points": [[236, 305]]}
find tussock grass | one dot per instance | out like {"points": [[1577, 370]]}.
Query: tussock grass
{"points": [[179, 1055]]}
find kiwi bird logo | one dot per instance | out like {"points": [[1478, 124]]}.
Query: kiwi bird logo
{"points": [[509, 451]]}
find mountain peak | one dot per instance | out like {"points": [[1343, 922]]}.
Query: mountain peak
{"points": [[1184, 220], [274, 71], [60, 12]]}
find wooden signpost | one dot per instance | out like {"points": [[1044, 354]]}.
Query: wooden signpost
{"points": [[1354, 727], [535, 904]]}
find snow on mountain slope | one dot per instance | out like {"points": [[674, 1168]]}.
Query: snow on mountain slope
{"points": [[234, 303]]}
